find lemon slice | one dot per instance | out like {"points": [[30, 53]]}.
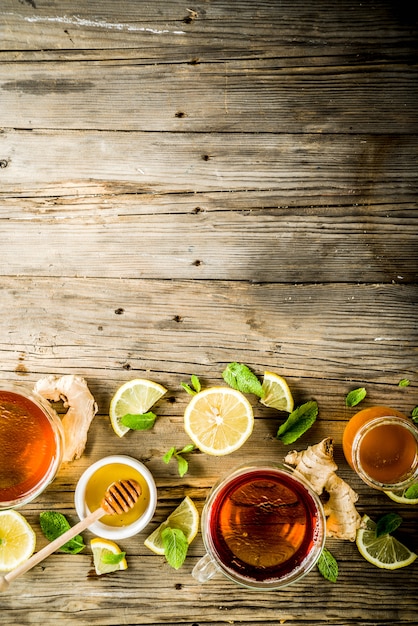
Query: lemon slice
{"points": [[135, 397], [101, 549], [17, 540], [398, 496], [276, 393], [185, 517], [385, 552], [219, 420]]}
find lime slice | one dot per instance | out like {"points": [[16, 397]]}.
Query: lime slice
{"points": [[17, 540], [104, 552], [385, 552], [276, 393], [399, 496], [218, 420], [185, 517], [134, 397]]}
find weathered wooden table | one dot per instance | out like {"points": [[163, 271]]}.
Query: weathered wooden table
{"points": [[185, 185]]}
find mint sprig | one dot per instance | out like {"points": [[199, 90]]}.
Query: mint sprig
{"points": [[195, 388], [175, 546], [139, 421], [404, 382], [414, 415], [182, 463], [355, 396], [328, 566], [298, 422], [53, 525], [240, 377]]}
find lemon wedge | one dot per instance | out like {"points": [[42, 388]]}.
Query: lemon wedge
{"points": [[134, 397], [385, 552], [17, 540], [185, 517], [276, 393], [104, 552]]}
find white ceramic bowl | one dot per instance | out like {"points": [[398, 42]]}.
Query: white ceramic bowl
{"points": [[116, 532]]}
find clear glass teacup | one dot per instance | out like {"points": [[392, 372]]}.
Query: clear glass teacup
{"points": [[263, 527], [31, 445]]}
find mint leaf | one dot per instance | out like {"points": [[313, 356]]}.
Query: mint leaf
{"points": [[196, 383], [414, 415], [404, 382], [182, 465], [240, 377], [175, 546], [355, 396], [140, 421], [298, 422], [328, 566], [109, 558], [412, 492], [53, 525], [167, 456], [387, 524]]}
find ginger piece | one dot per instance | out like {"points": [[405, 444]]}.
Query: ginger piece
{"points": [[315, 464], [343, 519], [73, 391]]}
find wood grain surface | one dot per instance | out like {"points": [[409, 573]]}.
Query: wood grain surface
{"points": [[186, 185]]}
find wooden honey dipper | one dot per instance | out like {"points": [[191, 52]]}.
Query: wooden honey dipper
{"points": [[119, 498]]}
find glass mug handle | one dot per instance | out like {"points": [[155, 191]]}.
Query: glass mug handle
{"points": [[205, 569]]}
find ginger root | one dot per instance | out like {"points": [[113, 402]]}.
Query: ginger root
{"points": [[316, 464], [343, 519], [75, 394]]}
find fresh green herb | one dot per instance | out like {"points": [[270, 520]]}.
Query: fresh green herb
{"points": [[328, 566], [195, 388], [404, 382], [140, 421], [414, 415], [109, 558], [412, 492], [298, 422], [240, 377], [387, 524], [175, 546], [182, 464], [355, 396], [53, 525]]}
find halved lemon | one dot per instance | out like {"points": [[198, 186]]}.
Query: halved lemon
{"points": [[17, 540], [134, 397], [276, 393], [185, 517], [385, 552], [103, 564], [218, 420]]}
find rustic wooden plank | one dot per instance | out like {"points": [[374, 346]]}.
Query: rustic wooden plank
{"points": [[208, 30], [267, 245], [249, 96], [328, 168], [308, 331]]}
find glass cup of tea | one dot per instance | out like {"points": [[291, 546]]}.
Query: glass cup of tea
{"points": [[31, 445], [381, 445], [263, 527]]}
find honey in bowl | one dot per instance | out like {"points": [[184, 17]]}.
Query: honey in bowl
{"points": [[101, 480]]}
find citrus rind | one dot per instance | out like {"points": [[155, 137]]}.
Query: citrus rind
{"points": [[135, 397]]}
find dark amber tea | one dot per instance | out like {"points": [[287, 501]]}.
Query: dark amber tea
{"points": [[29, 448], [264, 526]]}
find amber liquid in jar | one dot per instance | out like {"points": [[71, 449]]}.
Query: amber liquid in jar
{"points": [[262, 525], [28, 446], [386, 452]]}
